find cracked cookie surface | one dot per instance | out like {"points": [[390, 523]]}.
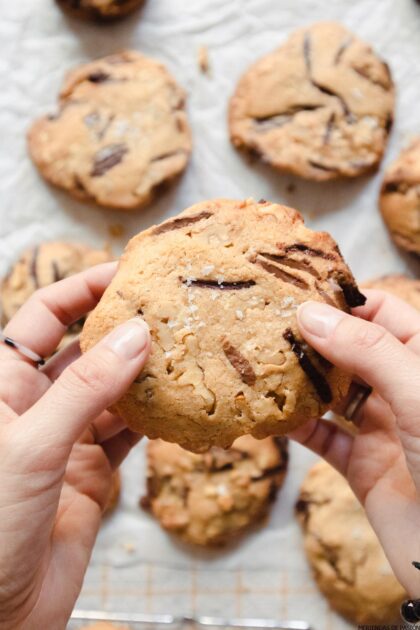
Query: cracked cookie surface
{"points": [[405, 288], [99, 10], [399, 199], [120, 132], [347, 560], [320, 106], [42, 265], [209, 499], [219, 286]]}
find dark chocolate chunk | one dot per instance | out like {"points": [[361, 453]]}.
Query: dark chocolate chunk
{"points": [[56, 272], [326, 90], [389, 122], [363, 72], [33, 268], [393, 187], [108, 157], [282, 445], [241, 365], [302, 264], [322, 167], [222, 285], [329, 128], [98, 77], [352, 295], [341, 49], [317, 379], [309, 251], [177, 224], [282, 274]]}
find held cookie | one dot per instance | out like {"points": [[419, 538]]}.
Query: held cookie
{"points": [[99, 10], [402, 286], [42, 265], [120, 132], [219, 286], [399, 200], [320, 106], [346, 558], [209, 499]]}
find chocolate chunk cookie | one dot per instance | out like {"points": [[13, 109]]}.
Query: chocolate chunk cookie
{"points": [[402, 286], [399, 200], [99, 10], [120, 132], [219, 286], [42, 265], [347, 560], [209, 499], [320, 106]]}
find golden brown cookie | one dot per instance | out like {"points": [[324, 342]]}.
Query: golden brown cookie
{"points": [[42, 265], [405, 288], [348, 563], [320, 106], [115, 492], [119, 134], [399, 200], [219, 286], [100, 10], [209, 499]]}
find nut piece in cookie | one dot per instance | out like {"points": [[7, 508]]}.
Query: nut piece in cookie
{"points": [[399, 200], [99, 10], [209, 499], [403, 287], [320, 106], [347, 560], [120, 132], [219, 286], [42, 265]]}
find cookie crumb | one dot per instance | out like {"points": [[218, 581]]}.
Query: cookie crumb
{"points": [[203, 60], [116, 230]]}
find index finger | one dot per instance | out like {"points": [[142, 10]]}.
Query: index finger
{"points": [[397, 316], [42, 321]]}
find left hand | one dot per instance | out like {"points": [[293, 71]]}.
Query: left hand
{"points": [[58, 448]]}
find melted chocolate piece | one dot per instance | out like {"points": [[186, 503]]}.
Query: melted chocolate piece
{"points": [[222, 286], [317, 379], [309, 251], [329, 128], [352, 295], [302, 264], [33, 267], [394, 187], [389, 122], [322, 167], [241, 365], [177, 224], [341, 49], [98, 77], [108, 157], [365, 74], [56, 271], [283, 275]]}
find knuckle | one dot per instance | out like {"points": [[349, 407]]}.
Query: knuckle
{"points": [[87, 375], [367, 336]]}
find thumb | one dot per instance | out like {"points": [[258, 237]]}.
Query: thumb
{"points": [[88, 386], [364, 349]]}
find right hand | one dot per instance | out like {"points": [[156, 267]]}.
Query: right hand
{"points": [[382, 461]]}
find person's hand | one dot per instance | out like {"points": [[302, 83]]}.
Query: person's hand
{"points": [[382, 461], [58, 448]]}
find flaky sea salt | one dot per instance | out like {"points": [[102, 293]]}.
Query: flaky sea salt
{"points": [[172, 323], [239, 314], [207, 269]]}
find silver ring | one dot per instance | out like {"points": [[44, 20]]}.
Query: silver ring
{"points": [[23, 350], [358, 395]]}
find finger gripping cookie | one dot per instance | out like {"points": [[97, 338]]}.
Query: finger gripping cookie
{"points": [[120, 132], [209, 499], [99, 10], [320, 106], [219, 286], [400, 198]]}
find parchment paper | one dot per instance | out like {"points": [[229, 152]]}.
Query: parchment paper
{"points": [[136, 566]]}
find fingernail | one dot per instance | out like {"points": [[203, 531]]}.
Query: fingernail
{"points": [[129, 339], [318, 319]]}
